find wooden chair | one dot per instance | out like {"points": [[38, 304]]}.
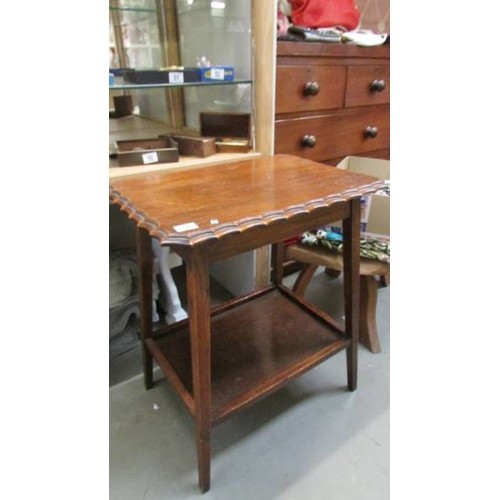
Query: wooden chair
{"points": [[369, 271]]}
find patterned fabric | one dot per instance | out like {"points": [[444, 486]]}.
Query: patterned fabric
{"points": [[369, 248]]}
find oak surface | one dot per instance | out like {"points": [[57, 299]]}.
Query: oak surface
{"points": [[233, 198]]}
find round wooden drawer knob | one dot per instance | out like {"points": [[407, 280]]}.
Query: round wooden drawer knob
{"points": [[377, 85], [309, 141], [371, 132], [311, 88]]}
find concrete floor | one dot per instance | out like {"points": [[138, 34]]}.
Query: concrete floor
{"points": [[312, 439]]}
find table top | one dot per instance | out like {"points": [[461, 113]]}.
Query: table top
{"points": [[191, 207]]}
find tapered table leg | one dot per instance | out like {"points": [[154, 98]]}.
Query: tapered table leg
{"points": [[145, 260], [198, 288], [351, 263]]}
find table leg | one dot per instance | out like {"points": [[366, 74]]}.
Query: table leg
{"points": [[351, 263], [277, 261], [145, 260], [198, 288]]}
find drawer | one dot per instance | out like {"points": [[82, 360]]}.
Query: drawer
{"points": [[367, 85], [330, 136], [309, 88]]}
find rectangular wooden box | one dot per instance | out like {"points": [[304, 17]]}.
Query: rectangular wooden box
{"points": [[227, 125], [151, 76], [230, 145], [194, 146], [147, 151]]}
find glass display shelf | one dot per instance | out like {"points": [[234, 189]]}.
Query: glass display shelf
{"points": [[133, 9], [132, 86]]}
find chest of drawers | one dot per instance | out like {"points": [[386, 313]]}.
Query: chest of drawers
{"points": [[332, 100]]}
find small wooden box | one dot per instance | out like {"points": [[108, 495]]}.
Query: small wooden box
{"points": [[231, 145], [194, 146], [226, 125], [147, 151], [167, 75], [124, 106]]}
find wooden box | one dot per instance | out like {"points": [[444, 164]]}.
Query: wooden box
{"points": [[124, 106], [194, 146], [167, 75], [232, 131], [218, 125], [147, 151], [231, 145]]}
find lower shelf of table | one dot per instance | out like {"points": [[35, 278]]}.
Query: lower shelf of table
{"points": [[257, 345]]}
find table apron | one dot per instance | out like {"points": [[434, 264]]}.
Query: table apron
{"points": [[236, 243]]}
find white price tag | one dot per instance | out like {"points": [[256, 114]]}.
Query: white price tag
{"points": [[186, 227], [217, 74], [176, 77], [150, 158]]}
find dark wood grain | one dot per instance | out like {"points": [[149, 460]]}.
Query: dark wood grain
{"points": [[291, 82], [195, 146], [222, 361], [131, 152], [351, 259], [198, 286], [338, 124], [358, 90], [337, 134], [256, 348], [217, 124], [318, 49], [233, 198]]}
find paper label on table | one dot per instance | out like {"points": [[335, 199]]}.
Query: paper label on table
{"points": [[217, 74], [150, 158], [176, 77], [186, 227]]}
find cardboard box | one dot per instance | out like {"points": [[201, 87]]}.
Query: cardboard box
{"points": [[375, 208], [216, 74]]}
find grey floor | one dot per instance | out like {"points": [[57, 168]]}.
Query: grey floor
{"points": [[313, 439]]}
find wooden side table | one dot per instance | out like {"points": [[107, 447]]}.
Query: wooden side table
{"points": [[222, 360]]}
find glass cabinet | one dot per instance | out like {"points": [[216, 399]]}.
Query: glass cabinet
{"points": [[134, 34], [153, 34], [178, 35]]}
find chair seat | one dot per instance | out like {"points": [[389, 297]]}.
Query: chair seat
{"points": [[321, 256], [369, 270]]}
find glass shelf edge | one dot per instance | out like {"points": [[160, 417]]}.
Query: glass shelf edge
{"points": [[132, 86], [133, 9]]}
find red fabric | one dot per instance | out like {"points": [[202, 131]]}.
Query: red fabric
{"points": [[325, 13], [293, 240]]}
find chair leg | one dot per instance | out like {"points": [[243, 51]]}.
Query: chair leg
{"points": [[368, 335], [304, 278], [385, 279], [332, 273]]}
